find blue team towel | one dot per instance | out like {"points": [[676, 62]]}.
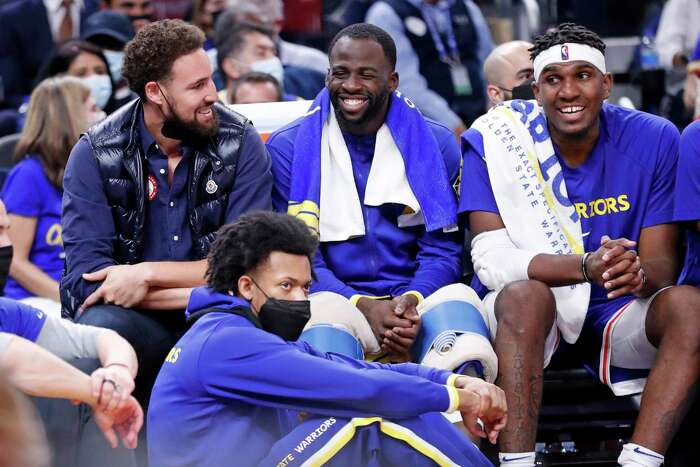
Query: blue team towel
{"points": [[425, 166]]}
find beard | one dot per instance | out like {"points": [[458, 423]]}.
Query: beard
{"points": [[375, 105], [193, 133]]}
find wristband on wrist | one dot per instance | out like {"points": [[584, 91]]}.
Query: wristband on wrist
{"points": [[584, 270]]}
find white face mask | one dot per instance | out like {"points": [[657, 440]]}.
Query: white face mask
{"points": [[271, 66], [100, 89], [115, 60]]}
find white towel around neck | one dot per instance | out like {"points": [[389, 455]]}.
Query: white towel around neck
{"points": [[340, 210]]}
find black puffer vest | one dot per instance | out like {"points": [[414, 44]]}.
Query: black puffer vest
{"points": [[116, 145]]}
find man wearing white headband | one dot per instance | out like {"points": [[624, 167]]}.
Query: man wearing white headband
{"points": [[570, 201]]}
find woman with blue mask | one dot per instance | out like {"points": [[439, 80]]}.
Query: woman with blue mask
{"points": [[86, 61], [60, 109]]}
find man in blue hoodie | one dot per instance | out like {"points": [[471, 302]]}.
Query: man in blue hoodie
{"points": [[375, 180], [236, 391]]}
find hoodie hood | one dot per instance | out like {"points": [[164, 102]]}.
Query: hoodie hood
{"points": [[203, 298]]}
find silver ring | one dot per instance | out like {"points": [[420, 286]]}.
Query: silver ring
{"points": [[114, 385]]}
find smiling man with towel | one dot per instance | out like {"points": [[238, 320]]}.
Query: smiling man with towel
{"points": [[571, 202], [374, 179]]}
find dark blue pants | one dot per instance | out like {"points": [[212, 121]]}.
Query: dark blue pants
{"points": [[426, 440]]}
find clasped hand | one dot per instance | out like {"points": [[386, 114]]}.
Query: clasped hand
{"points": [[395, 323], [616, 267]]}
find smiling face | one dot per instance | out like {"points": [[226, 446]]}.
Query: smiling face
{"points": [[190, 92], [572, 95], [359, 81]]}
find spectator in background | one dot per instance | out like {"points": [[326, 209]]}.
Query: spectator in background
{"points": [[60, 110], [255, 87], [140, 12], [246, 48], [146, 191], [172, 9], [29, 30], [204, 16], [506, 67], [86, 61], [270, 15], [441, 48], [110, 31], [676, 37]]}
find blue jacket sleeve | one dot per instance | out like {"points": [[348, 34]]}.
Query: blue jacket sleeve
{"points": [[88, 226], [252, 186], [326, 281], [439, 261], [435, 375], [269, 372], [280, 145]]}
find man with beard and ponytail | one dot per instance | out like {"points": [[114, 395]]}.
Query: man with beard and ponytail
{"points": [[146, 190], [237, 390], [374, 180], [570, 200]]}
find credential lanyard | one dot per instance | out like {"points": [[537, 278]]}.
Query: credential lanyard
{"points": [[453, 57]]}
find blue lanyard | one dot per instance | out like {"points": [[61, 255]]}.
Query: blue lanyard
{"points": [[453, 56]]}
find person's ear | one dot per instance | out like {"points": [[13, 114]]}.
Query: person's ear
{"points": [[245, 287], [153, 93], [393, 81], [495, 94], [536, 92], [607, 85]]}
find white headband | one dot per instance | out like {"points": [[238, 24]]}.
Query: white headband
{"points": [[569, 52]]}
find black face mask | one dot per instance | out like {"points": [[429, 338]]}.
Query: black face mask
{"points": [[524, 91], [5, 260], [189, 134], [285, 318]]}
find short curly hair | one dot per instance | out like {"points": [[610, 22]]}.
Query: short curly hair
{"points": [[248, 242], [371, 32], [150, 55], [566, 32]]}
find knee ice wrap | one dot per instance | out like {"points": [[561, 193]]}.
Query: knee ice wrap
{"points": [[328, 338], [454, 334]]}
